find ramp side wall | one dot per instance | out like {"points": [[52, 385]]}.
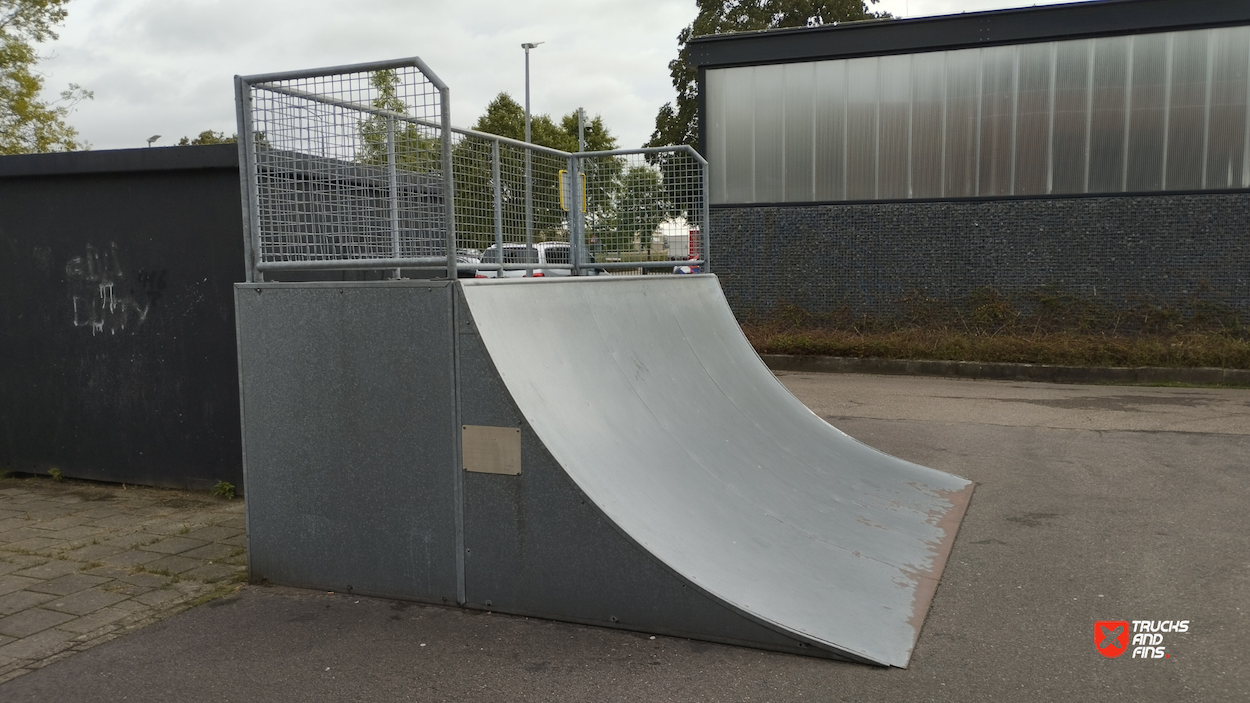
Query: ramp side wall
{"points": [[349, 436]]}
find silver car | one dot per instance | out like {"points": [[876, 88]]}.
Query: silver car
{"points": [[540, 255]]}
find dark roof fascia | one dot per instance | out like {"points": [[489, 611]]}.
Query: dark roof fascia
{"points": [[178, 158], [973, 29]]}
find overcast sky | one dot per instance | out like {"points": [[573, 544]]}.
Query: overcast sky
{"points": [[165, 66]]}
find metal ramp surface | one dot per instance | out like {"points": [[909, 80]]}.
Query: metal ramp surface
{"points": [[647, 394], [668, 482]]}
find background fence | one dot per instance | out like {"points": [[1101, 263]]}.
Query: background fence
{"points": [[358, 167]]}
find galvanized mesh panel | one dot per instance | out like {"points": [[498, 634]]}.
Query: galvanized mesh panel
{"points": [[491, 196], [348, 166], [345, 169], [643, 207]]}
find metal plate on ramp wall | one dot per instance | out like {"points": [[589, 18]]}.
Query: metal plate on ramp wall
{"points": [[491, 450], [648, 395]]}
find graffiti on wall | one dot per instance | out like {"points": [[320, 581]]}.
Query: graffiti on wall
{"points": [[103, 297]]}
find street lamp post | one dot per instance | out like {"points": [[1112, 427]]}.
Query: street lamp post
{"points": [[527, 46], [529, 188]]}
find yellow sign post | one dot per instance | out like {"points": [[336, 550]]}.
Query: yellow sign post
{"points": [[565, 195]]}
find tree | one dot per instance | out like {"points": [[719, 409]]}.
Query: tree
{"points": [[474, 178], [680, 124], [208, 136], [416, 149], [641, 205], [506, 118], [28, 124]]}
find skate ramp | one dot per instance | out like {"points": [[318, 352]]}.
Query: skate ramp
{"points": [[649, 400]]}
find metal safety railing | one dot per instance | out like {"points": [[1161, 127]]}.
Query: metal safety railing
{"points": [[358, 167]]}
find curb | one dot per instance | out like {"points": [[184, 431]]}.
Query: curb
{"points": [[1007, 372]]}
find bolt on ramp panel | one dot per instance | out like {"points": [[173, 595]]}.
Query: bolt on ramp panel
{"points": [[649, 396]]}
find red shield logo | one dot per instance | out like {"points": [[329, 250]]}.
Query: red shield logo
{"points": [[1111, 637]]}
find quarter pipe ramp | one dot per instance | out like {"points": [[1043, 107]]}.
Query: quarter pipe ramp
{"points": [[606, 450]]}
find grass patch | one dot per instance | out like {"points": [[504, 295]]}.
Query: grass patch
{"points": [[1192, 350], [1041, 327]]}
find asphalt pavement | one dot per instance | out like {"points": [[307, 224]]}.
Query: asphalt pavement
{"points": [[1093, 503]]}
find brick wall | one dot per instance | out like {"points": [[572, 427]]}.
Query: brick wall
{"points": [[1117, 251]]}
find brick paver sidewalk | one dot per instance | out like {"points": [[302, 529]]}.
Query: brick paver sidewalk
{"points": [[82, 563]]}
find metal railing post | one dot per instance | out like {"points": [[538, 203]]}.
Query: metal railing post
{"points": [[243, 112], [529, 217], [576, 216], [393, 180], [253, 184], [706, 225], [494, 172], [449, 184]]}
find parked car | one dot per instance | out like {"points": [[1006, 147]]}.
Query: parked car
{"points": [[688, 268], [540, 255], [467, 256]]}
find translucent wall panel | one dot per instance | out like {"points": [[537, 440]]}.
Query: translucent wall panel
{"points": [[1033, 101], [829, 115], [1108, 107], [1071, 118], [998, 116], [1147, 112], [739, 120], [1139, 113], [800, 134], [928, 120], [963, 123], [1227, 110], [714, 132], [894, 146], [862, 101], [770, 134], [1187, 110]]}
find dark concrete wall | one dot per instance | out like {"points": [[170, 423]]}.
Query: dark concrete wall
{"points": [[1114, 251], [117, 353]]}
